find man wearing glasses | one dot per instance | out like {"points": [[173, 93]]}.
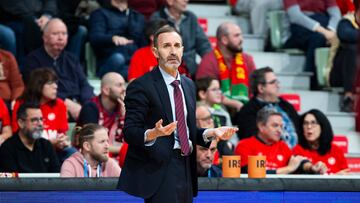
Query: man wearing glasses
{"points": [[265, 88], [26, 151]]}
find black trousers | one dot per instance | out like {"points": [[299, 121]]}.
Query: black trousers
{"points": [[176, 187]]}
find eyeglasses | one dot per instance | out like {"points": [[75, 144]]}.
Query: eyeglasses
{"points": [[208, 118], [36, 119], [310, 123], [50, 82], [272, 82]]}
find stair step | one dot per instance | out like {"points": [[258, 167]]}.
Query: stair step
{"points": [[322, 100], [294, 81], [279, 62], [214, 22], [253, 43], [341, 121], [206, 10]]}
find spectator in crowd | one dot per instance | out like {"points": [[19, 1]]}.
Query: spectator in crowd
{"points": [[146, 7], [77, 33], [107, 109], [7, 39], [27, 18], [313, 25], [93, 159], [184, 21], [265, 89], [11, 83], [229, 64], [209, 93], [42, 89], [344, 68], [267, 142], [204, 118], [5, 124], [116, 32], [204, 160], [26, 151], [258, 10], [143, 59], [315, 143], [73, 86]]}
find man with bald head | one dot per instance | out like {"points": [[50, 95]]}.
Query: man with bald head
{"points": [[107, 109], [229, 64], [73, 86]]}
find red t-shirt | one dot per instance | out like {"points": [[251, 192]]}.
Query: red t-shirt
{"points": [[141, 62], [277, 155], [334, 160], [4, 115], [54, 118]]}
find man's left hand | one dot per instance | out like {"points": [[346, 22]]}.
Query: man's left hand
{"points": [[223, 133]]}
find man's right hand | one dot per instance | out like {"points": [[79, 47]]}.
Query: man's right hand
{"points": [[161, 130], [121, 41]]}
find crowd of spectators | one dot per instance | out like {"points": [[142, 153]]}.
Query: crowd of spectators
{"points": [[43, 85]]}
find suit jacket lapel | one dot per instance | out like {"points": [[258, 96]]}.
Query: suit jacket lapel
{"points": [[163, 94]]}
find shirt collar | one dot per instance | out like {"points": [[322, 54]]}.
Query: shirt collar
{"points": [[169, 78]]}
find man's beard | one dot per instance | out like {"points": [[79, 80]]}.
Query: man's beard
{"points": [[114, 97], [235, 49], [99, 157], [35, 134]]}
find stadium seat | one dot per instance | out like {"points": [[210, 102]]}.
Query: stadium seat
{"points": [[90, 61], [213, 41], [342, 142], [354, 164], [204, 24], [321, 62], [293, 99], [276, 28]]}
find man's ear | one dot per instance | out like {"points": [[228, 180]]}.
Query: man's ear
{"points": [[21, 123], [86, 146], [224, 40], [260, 88], [155, 52], [106, 90]]}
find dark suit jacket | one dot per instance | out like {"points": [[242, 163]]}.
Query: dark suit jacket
{"points": [[147, 101]]}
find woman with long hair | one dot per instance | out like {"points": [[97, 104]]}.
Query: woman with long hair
{"points": [[42, 89], [315, 143]]}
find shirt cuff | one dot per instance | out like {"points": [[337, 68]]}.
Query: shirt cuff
{"points": [[207, 139], [149, 143], [315, 26]]}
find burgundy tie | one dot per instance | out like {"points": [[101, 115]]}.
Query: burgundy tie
{"points": [[180, 117]]}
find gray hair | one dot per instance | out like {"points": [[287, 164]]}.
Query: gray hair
{"points": [[265, 113]]}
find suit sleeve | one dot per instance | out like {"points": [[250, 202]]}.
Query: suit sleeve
{"points": [[137, 107]]}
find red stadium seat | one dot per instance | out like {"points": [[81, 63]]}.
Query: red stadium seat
{"points": [[213, 41], [354, 164], [293, 99], [204, 24], [342, 142]]}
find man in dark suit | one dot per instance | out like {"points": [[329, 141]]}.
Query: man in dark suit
{"points": [[160, 128]]}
